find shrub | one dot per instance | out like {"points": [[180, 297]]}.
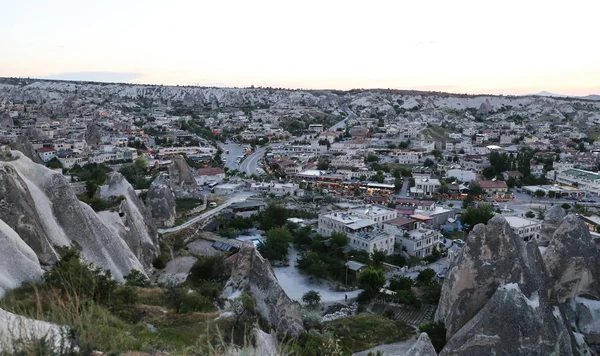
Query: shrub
{"points": [[126, 295], [136, 279], [209, 268], [194, 302], [400, 283], [159, 263], [311, 298], [436, 332]]}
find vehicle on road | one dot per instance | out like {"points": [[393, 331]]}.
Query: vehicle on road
{"points": [[212, 205]]}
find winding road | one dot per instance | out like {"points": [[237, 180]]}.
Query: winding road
{"points": [[250, 164]]}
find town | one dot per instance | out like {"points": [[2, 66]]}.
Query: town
{"points": [[328, 186]]}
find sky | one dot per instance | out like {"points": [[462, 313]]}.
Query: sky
{"points": [[461, 46]]}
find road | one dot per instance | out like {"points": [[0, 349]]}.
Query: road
{"points": [[237, 197], [235, 150], [250, 164], [342, 124]]}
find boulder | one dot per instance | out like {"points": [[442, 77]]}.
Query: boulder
{"points": [[492, 255], [513, 324], [253, 274], [422, 347], [16, 330], [161, 202], [572, 260]]}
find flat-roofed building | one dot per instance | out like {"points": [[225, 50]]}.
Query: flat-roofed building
{"points": [[363, 234], [527, 229]]}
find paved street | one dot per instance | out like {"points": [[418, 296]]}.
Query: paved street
{"points": [[235, 150], [250, 164]]}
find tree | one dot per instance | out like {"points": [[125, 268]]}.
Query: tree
{"points": [[274, 216], [530, 214], [479, 214], [475, 189], [323, 164], [398, 182], [136, 279], [426, 277], [378, 257], [437, 154], [489, 172], [372, 158], [338, 239], [566, 206], [54, 163], [312, 298], [276, 244], [540, 193], [371, 280], [436, 332], [403, 145], [468, 201], [400, 283], [428, 163]]}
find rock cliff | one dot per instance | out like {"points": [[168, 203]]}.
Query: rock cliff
{"points": [[573, 260], [422, 347], [253, 274], [39, 205], [133, 222], [492, 255], [24, 145], [18, 262], [513, 324], [552, 220], [16, 328], [161, 202], [93, 136]]}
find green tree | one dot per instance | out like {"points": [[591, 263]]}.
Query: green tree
{"points": [[276, 244], [54, 163], [530, 214], [312, 298], [400, 283], [137, 279], [436, 332], [540, 193], [378, 257], [489, 172], [274, 216], [403, 145], [371, 280], [323, 164], [426, 277], [566, 206], [479, 214], [437, 154], [475, 189], [339, 239], [468, 201]]}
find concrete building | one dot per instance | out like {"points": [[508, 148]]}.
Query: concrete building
{"points": [[46, 154], [585, 180], [378, 214], [425, 186], [363, 234], [210, 175], [527, 229], [421, 241]]}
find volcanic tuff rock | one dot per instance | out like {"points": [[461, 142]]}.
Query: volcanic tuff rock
{"points": [[422, 347], [161, 202], [181, 177], [492, 255], [513, 324], [24, 145], [133, 223], [16, 328], [552, 220], [18, 262], [254, 275], [573, 260], [93, 136], [39, 205]]}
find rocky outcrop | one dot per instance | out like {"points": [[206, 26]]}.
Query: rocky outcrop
{"points": [[16, 330], [161, 202], [18, 262], [513, 324], [492, 255], [552, 221], [181, 177], [422, 347], [133, 222], [572, 260], [24, 145], [253, 274], [93, 136], [39, 205]]}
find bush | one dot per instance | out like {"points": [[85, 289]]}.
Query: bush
{"points": [[136, 279], [194, 302], [426, 276], [126, 295], [400, 283], [209, 268], [159, 263], [311, 298], [566, 206]]}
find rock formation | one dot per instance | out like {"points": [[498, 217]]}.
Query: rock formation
{"points": [[18, 262], [253, 274], [513, 324], [161, 202], [133, 222], [24, 145], [552, 220], [39, 205], [181, 178], [15, 329], [93, 136], [572, 260], [492, 255], [422, 347]]}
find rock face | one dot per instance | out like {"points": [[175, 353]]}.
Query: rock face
{"points": [[422, 347], [18, 262], [181, 177], [93, 136], [133, 223], [513, 324], [572, 260], [39, 205], [24, 145], [15, 328], [492, 255], [552, 221], [161, 202], [253, 274]]}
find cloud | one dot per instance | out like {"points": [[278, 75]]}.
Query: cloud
{"points": [[113, 77]]}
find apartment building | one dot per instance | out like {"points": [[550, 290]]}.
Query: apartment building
{"points": [[585, 180], [363, 234]]}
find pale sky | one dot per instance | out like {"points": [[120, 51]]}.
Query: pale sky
{"points": [[463, 46]]}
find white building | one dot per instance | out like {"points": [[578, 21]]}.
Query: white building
{"points": [[408, 157], [210, 175], [421, 241], [362, 233], [46, 154], [347, 161], [378, 214], [527, 229], [426, 186], [584, 180]]}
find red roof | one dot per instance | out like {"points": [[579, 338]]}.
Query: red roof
{"points": [[490, 184], [211, 171]]}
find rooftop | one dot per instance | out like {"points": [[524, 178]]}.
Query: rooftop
{"points": [[579, 173], [518, 222]]}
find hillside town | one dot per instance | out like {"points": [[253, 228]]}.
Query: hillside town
{"points": [[326, 185]]}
